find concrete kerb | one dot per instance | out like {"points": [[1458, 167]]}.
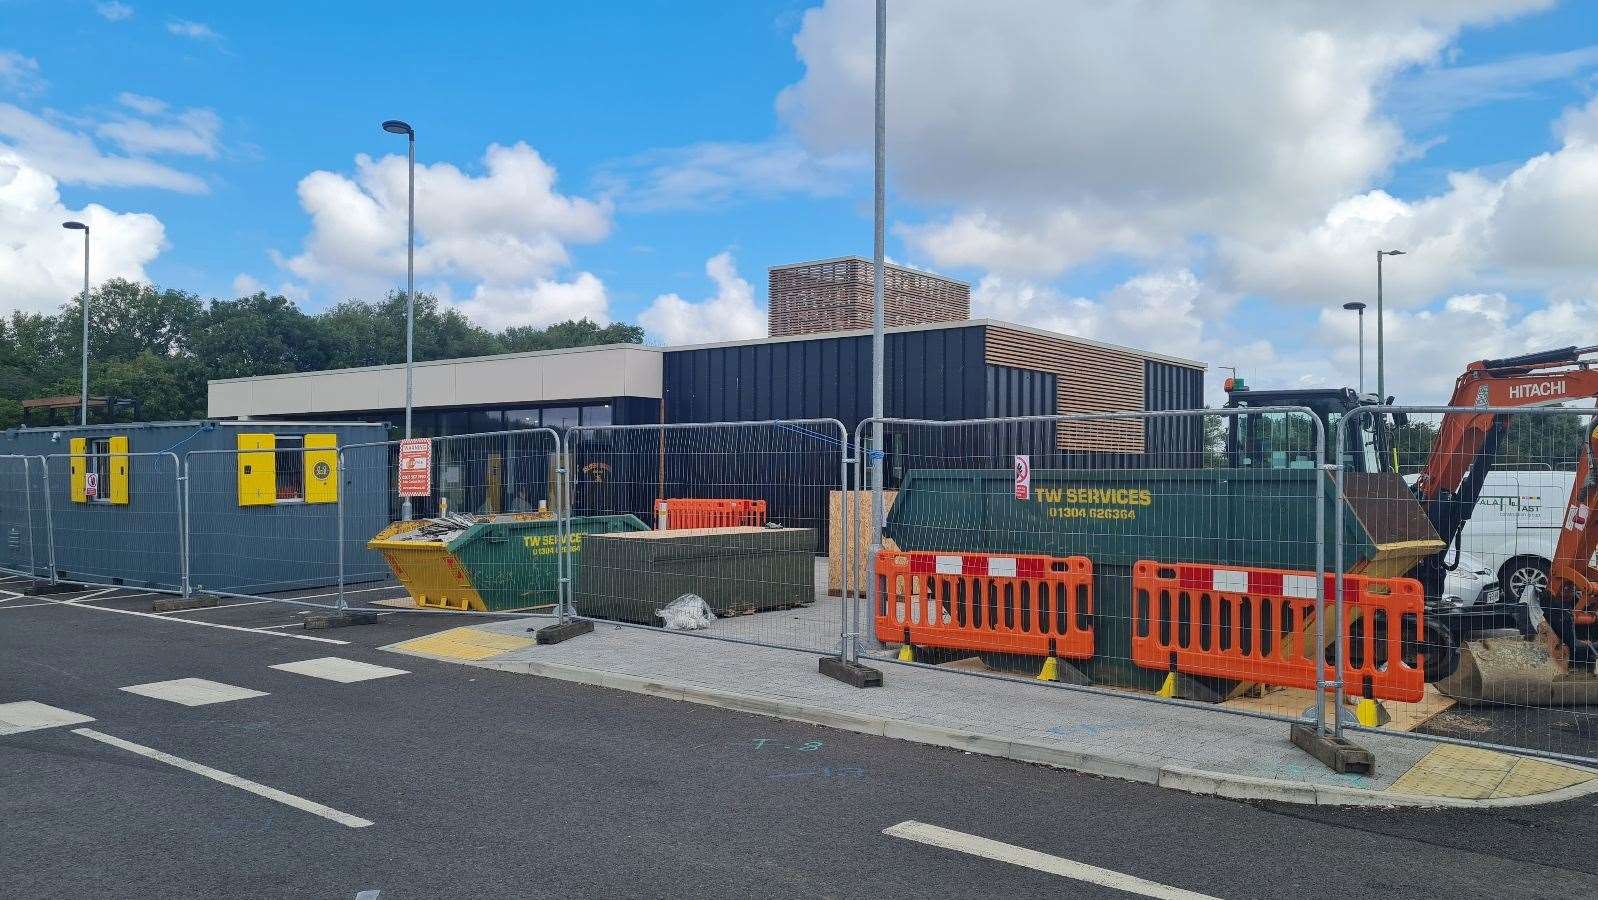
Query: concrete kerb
{"points": [[1193, 781]]}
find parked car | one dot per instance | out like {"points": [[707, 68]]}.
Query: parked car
{"points": [[1515, 526], [1471, 583]]}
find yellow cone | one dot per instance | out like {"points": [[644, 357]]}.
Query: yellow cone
{"points": [[1371, 714], [1168, 689], [907, 653], [1051, 670]]}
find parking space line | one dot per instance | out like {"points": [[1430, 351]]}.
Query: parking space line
{"points": [[382, 587], [243, 784], [986, 848], [217, 607], [193, 691], [31, 715], [336, 668], [165, 618]]}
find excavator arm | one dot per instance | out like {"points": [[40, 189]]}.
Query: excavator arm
{"points": [[1467, 444]]}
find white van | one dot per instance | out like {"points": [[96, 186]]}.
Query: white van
{"points": [[1516, 525]]}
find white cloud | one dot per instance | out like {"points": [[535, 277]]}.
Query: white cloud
{"points": [[1531, 227], [245, 284], [197, 31], [1170, 312], [1431, 96], [545, 302], [114, 11], [41, 264], [728, 316], [72, 157], [1058, 131], [189, 132], [503, 233], [715, 173], [19, 74]]}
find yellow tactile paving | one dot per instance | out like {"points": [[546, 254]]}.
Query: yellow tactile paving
{"points": [[465, 643], [1474, 774]]}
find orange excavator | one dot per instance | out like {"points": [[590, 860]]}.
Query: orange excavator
{"points": [[1463, 453]]}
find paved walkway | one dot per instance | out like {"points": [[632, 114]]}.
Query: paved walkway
{"points": [[1186, 748]]}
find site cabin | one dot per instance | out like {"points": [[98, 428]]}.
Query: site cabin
{"points": [[262, 503]]}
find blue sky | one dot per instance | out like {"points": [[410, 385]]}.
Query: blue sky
{"points": [[1124, 173]]}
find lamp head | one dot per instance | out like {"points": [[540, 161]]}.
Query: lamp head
{"points": [[1392, 252], [1354, 306], [395, 126], [75, 226]]}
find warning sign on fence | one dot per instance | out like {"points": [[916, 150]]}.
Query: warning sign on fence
{"points": [[1023, 477], [91, 485], [416, 467]]}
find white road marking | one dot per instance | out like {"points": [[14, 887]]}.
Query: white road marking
{"points": [[948, 839], [201, 609], [335, 668], [243, 784], [384, 587], [31, 715], [159, 617], [192, 691], [89, 596]]}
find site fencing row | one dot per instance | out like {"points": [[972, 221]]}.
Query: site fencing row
{"points": [[1266, 561]]}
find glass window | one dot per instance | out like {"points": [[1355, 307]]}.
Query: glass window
{"points": [[99, 465], [481, 420], [1275, 441], [521, 418], [559, 417], [597, 415], [454, 422], [290, 467]]}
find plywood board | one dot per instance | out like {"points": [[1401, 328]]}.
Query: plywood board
{"points": [[860, 544]]}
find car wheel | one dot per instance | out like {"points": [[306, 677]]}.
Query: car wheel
{"points": [[1521, 571]]}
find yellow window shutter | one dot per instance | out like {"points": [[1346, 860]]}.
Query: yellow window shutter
{"points": [[79, 467], [321, 468], [257, 469], [119, 470]]}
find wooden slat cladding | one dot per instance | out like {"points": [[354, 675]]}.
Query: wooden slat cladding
{"points": [[1088, 379]]}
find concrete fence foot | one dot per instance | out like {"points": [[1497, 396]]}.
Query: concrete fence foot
{"points": [[561, 631], [1338, 754], [853, 674], [193, 601], [339, 620]]}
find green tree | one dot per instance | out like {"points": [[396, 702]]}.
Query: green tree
{"points": [[257, 335], [570, 333]]}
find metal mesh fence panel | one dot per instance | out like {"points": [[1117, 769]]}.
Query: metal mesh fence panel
{"points": [[115, 518], [1508, 575], [1189, 571], [735, 522], [485, 535], [21, 518], [263, 521]]}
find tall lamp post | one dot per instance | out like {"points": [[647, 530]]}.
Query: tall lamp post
{"points": [[1357, 307], [1381, 373], [83, 400], [395, 126]]}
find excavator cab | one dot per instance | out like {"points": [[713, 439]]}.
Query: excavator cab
{"points": [[1277, 440]]}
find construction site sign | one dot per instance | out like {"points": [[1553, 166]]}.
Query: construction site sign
{"points": [[1023, 477], [416, 467]]}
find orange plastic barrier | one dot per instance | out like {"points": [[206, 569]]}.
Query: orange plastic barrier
{"points": [[677, 514], [1258, 625], [1033, 605]]}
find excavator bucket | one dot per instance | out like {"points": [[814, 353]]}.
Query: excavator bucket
{"points": [[1514, 671]]}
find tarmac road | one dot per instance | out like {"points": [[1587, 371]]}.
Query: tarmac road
{"points": [[484, 784]]}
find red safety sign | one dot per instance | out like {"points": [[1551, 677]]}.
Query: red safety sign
{"points": [[416, 467], [91, 485], [1023, 477]]}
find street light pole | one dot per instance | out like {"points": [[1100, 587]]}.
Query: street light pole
{"points": [[879, 284], [83, 400], [395, 126], [1381, 370], [1358, 307]]}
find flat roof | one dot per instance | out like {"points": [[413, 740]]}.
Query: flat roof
{"points": [[529, 354], [939, 326], [861, 259]]}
